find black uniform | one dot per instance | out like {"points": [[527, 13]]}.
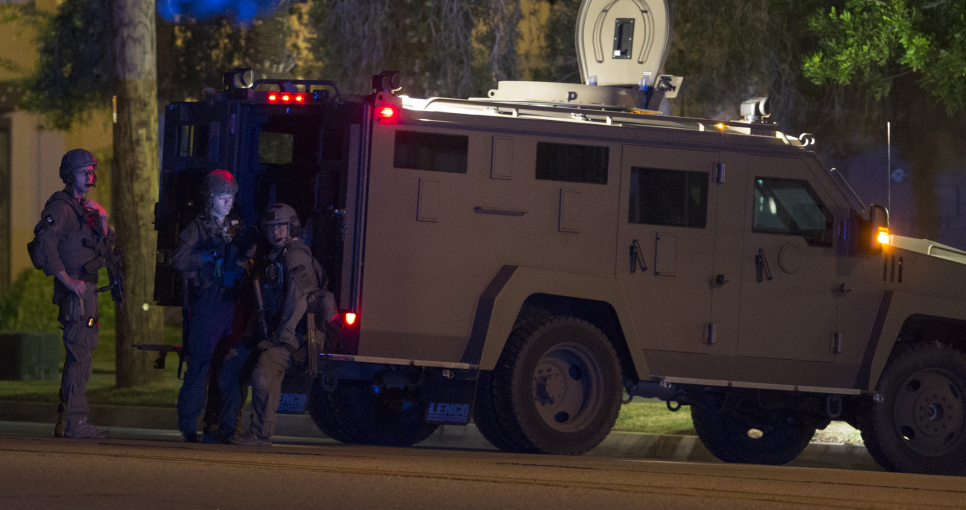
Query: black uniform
{"points": [[66, 242], [205, 255]]}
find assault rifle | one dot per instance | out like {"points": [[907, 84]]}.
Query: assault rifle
{"points": [[260, 308], [163, 350], [109, 256]]}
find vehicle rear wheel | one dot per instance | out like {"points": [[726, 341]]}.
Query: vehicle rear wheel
{"points": [[919, 426], [486, 420], [556, 389], [751, 437], [328, 417], [359, 412]]}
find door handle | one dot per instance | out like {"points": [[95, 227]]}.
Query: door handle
{"points": [[637, 257], [761, 264]]}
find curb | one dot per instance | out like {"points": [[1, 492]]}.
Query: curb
{"points": [[627, 445]]}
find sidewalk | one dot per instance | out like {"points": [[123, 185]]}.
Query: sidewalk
{"points": [[616, 444]]}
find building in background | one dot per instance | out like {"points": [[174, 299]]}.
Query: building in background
{"points": [[30, 154]]}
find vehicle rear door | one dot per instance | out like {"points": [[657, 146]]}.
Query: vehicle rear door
{"points": [[197, 140]]}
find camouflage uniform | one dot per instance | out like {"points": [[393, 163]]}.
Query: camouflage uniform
{"points": [[65, 241], [291, 276]]}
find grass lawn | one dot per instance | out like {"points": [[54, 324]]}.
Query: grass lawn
{"points": [[101, 389], [653, 417]]}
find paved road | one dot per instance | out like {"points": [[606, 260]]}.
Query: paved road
{"points": [[147, 469], [617, 444]]}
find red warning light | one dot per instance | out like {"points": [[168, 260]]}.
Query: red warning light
{"points": [[275, 97], [387, 113], [350, 318]]}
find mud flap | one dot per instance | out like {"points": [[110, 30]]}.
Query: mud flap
{"points": [[449, 395], [295, 393]]}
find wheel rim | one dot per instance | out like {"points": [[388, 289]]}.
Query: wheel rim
{"points": [[567, 387], [929, 412]]}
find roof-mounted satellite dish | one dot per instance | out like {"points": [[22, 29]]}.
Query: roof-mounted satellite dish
{"points": [[621, 47], [622, 42]]}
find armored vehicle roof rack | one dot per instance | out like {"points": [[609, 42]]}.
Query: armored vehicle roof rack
{"points": [[611, 116]]}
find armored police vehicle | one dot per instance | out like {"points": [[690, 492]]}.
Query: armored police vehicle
{"points": [[526, 259]]}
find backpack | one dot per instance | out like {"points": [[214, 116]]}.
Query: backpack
{"points": [[323, 310], [33, 247]]}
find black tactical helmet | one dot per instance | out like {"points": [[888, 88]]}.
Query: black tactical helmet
{"points": [[276, 214], [221, 181], [74, 159]]}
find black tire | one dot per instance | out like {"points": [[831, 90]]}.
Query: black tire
{"points": [[556, 389], [329, 418], [485, 417], [919, 426], [751, 437], [386, 418]]}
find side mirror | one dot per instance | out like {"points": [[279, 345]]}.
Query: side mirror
{"points": [[879, 231]]}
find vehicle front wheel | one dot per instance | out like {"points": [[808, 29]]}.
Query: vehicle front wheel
{"points": [[919, 425], [556, 389], [752, 436]]}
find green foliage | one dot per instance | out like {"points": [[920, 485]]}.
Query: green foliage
{"points": [[76, 68], [28, 305], [194, 55], [76, 62], [559, 52], [871, 43], [453, 48]]}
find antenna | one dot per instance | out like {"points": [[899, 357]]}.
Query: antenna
{"points": [[889, 166]]}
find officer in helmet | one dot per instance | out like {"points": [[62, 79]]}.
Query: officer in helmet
{"points": [[65, 240], [291, 275], [213, 264]]}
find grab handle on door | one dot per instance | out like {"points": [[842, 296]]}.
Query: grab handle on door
{"points": [[761, 264], [637, 257]]}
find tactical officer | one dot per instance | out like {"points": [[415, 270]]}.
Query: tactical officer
{"points": [[212, 266], [70, 228], [291, 276]]}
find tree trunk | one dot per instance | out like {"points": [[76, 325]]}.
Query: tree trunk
{"points": [[134, 185]]}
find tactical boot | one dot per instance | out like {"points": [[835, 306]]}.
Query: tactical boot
{"points": [[215, 438], [250, 440], [80, 429], [59, 426]]}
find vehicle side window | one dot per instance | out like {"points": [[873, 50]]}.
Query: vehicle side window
{"points": [[193, 141], [275, 148], [571, 163], [791, 207], [431, 151], [668, 197]]}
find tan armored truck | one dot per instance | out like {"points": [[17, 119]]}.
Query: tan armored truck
{"points": [[523, 260]]}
